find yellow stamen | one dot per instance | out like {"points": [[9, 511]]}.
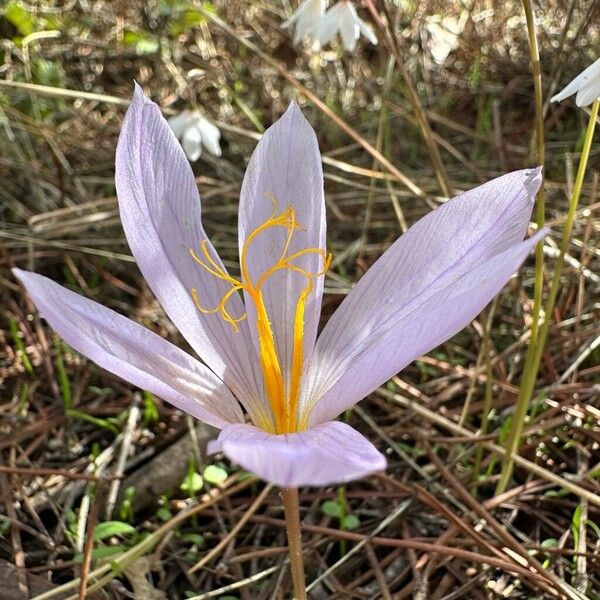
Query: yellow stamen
{"points": [[283, 402]]}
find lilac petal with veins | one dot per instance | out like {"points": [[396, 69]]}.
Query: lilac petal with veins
{"points": [[328, 453], [133, 352], [437, 251], [160, 211], [408, 335]]}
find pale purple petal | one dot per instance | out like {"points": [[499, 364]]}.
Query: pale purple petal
{"points": [[133, 352], [160, 211], [435, 252], [408, 335], [285, 171], [329, 453]]}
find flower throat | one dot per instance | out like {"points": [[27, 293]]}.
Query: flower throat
{"points": [[283, 399]]}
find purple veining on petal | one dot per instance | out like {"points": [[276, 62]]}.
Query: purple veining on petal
{"points": [[329, 453], [133, 352]]}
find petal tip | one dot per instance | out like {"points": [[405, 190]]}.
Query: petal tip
{"points": [[139, 99], [138, 94], [22, 275], [541, 234], [533, 181], [294, 110]]}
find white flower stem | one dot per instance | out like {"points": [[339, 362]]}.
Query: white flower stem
{"points": [[291, 510]]}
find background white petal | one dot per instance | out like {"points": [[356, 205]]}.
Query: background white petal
{"points": [[585, 78], [191, 141], [178, 123], [210, 136]]}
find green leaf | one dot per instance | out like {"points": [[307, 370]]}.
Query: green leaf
{"points": [[142, 42], [594, 527], [192, 483], [560, 493], [20, 18], [351, 522], [186, 20], [150, 408], [250, 114], [126, 507], [47, 72], [576, 520], [18, 341], [215, 475], [164, 514], [548, 543], [193, 538], [110, 528], [102, 552], [331, 509], [63, 377], [77, 414], [4, 527]]}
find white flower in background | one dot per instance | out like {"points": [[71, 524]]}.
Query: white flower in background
{"points": [[306, 18], [586, 84], [342, 19], [194, 131], [320, 27], [444, 34]]}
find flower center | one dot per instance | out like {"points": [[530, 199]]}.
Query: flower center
{"points": [[283, 399]]}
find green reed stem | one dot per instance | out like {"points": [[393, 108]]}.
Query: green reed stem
{"points": [[291, 510], [535, 350], [539, 143]]}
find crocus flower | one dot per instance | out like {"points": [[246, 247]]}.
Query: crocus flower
{"points": [[343, 19], [256, 332], [586, 85], [306, 19], [195, 131]]}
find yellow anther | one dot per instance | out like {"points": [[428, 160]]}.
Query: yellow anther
{"points": [[282, 395], [221, 307]]}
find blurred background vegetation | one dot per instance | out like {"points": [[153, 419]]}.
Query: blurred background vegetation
{"points": [[66, 75]]}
